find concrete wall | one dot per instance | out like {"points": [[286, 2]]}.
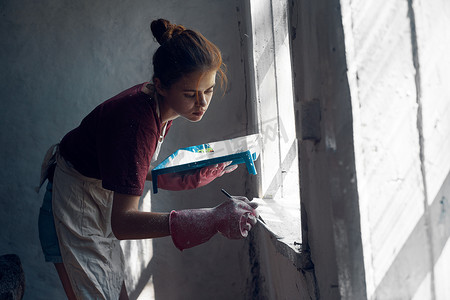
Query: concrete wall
{"points": [[59, 59], [397, 54], [330, 210], [385, 105], [374, 165], [275, 276]]}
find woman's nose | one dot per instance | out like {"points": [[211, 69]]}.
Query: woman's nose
{"points": [[202, 99]]}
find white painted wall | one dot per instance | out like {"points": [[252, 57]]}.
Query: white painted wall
{"points": [[377, 222], [398, 66], [433, 38], [389, 174]]}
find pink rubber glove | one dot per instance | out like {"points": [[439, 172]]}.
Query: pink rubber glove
{"points": [[193, 180], [233, 218]]}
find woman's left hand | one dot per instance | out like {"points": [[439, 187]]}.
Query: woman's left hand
{"points": [[193, 180]]}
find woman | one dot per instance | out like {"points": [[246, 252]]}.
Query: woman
{"points": [[102, 165]]}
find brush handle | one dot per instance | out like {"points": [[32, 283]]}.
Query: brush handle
{"points": [[227, 194]]}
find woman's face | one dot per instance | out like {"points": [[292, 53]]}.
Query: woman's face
{"points": [[189, 97]]}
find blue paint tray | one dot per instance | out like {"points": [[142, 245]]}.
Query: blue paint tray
{"points": [[239, 150]]}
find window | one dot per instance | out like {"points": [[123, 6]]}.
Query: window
{"points": [[267, 37]]}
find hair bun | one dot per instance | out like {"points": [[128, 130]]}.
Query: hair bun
{"points": [[163, 30]]}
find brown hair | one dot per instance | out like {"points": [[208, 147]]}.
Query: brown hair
{"points": [[183, 51]]}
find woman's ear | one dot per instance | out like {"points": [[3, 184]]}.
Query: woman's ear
{"points": [[159, 88]]}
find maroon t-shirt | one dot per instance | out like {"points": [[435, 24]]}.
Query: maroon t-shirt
{"points": [[116, 141]]}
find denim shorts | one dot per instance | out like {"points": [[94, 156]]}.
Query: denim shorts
{"points": [[47, 231]]}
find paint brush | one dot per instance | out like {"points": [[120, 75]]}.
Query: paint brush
{"points": [[231, 197], [227, 194]]}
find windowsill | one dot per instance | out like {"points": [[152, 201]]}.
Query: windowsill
{"points": [[283, 225]]}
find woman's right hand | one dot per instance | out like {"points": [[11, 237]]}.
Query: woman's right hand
{"points": [[234, 218]]}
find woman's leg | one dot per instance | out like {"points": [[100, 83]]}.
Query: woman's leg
{"points": [[65, 281], [49, 240]]}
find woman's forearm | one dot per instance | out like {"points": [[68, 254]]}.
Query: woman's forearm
{"points": [[128, 223], [135, 225]]}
